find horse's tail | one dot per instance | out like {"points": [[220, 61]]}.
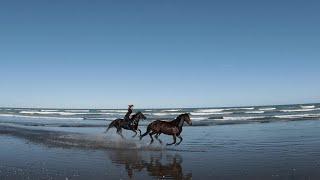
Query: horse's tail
{"points": [[147, 132], [112, 124]]}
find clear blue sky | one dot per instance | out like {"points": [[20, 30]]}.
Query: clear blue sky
{"points": [[106, 54]]}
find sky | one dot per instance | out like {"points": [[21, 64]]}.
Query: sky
{"points": [[157, 54]]}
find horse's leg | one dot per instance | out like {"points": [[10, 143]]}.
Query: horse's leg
{"points": [[119, 131], [106, 130], [112, 124], [147, 132], [134, 132], [181, 139], [174, 140], [156, 136], [139, 132], [151, 134]]}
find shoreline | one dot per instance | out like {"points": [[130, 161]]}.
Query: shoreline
{"points": [[99, 140]]}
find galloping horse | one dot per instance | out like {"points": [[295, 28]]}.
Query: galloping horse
{"points": [[129, 125], [173, 128]]}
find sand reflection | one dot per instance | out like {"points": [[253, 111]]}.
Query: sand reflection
{"points": [[159, 165]]}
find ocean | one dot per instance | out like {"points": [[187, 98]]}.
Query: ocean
{"points": [[200, 116]]}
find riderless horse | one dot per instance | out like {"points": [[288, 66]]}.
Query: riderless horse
{"points": [[173, 128]]}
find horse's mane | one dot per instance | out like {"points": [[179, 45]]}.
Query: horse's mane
{"points": [[178, 118], [134, 116]]}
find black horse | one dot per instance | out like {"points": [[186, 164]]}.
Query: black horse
{"points": [[129, 125]]}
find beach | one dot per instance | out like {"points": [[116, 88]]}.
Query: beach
{"points": [[278, 150], [117, 90]]}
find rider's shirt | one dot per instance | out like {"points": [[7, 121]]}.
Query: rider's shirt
{"points": [[127, 116]]}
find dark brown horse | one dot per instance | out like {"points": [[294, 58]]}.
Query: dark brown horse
{"points": [[173, 128], [129, 125]]}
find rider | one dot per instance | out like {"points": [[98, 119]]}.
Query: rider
{"points": [[127, 116]]}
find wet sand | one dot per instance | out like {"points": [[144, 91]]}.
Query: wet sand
{"points": [[282, 150]]}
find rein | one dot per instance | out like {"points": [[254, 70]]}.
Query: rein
{"points": [[135, 119]]}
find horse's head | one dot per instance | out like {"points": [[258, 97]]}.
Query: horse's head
{"points": [[140, 115], [185, 117]]}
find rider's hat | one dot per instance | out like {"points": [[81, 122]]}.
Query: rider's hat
{"points": [[130, 105]]}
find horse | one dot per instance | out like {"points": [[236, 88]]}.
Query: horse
{"points": [[132, 125], [173, 128]]}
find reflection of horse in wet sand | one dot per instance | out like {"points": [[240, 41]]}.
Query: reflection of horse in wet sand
{"points": [[157, 166], [173, 128], [129, 125]]}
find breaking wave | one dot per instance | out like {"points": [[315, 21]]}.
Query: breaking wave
{"points": [[48, 112], [113, 111], [308, 107], [77, 111], [39, 117], [254, 112], [209, 113], [298, 110], [165, 114], [267, 109], [171, 110], [296, 116], [244, 118], [240, 108], [209, 110], [198, 118]]}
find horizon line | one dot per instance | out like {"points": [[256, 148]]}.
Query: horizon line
{"points": [[8, 107]]}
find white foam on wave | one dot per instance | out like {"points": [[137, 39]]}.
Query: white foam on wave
{"points": [[49, 110], [254, 112], [62, 113], [293, 116], [198, 118], [209, 110], [239, 118], [45, 112], [77, 111], [98, 118], [39, 117], [102, 113], [165, 114], [299, 110], [308, 107], [113, 111], [267, 109], [209, 113], [171, 110], [241, 108]]}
